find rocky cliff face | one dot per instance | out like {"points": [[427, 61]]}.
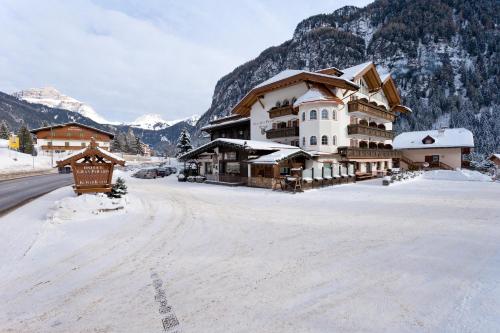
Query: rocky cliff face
{"points": [[442, 53], [51, 97]]}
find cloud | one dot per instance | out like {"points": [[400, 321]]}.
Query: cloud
{"points": [[127, 58]]}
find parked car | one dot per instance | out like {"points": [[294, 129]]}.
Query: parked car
{"points": [[146, 174], [162, 172], [171, 169]]}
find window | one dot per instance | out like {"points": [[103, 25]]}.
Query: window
{"points": [[324, 114], [334, 140], [324, 140], [334, 115], [83, 144], [66, 144], [49, 143], [313, 114], [303, 140], [303, 116], [313, 141], [230, 155], [284, 171], [233, 168]]}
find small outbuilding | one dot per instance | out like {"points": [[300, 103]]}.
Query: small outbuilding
{"points": [[443, 148]]}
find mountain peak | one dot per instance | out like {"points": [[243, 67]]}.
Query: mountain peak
{"points": [[156, 122], [51, 97]]}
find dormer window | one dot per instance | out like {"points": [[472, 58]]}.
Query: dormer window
{"points": [[428, 140]]}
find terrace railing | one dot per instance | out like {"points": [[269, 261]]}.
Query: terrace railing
{"points": [[282, 111], [369, 131], [360, 106], [355, 152], [282, 132]]}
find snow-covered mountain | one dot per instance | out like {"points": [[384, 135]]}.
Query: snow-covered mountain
{"points": [[156, 122], [51, 97]]}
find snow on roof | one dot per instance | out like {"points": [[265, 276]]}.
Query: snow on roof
{"points": [[351, 72], [495, 156], [256, 145], [109, 154], [241, 144], [450, 137], [225, 123], [292, 72], [280, 76], [279, 155], [312, 95], [99, 149]]}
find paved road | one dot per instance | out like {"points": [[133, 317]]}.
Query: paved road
{"points": [[16, 192]]}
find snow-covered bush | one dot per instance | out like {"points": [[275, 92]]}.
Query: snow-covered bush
{"points": [[119, 189]]}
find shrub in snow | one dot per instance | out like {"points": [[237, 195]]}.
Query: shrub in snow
{"points": [[119, 189]]}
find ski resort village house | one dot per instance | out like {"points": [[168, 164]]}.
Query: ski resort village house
{"points": [[69, 137], [330, 124], [444, 148]]}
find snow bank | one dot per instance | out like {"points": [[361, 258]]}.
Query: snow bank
{"points": [[14, 161], [85, 207], [460, 175]]}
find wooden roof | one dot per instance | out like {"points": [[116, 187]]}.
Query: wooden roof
{"points": [[111, 135], [391, 92], [244, 105], [91, 151], [371, 77]]}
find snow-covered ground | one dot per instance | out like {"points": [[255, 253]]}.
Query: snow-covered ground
{"points": [[14, 161], [417, 256]]}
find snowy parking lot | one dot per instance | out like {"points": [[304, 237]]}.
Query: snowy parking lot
{"points": [[419, 256]]}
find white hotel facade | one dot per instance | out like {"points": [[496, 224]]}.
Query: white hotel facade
{"points": [[336, 117]]}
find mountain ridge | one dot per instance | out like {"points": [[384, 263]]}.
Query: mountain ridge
{"points": [[443, 55]]}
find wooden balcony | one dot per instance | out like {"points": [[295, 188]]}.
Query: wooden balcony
{"points": [[282, 132], [282, 111], [355, 152], [361, 107], [357, 129]]}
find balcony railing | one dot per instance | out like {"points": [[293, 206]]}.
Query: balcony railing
{"points": [[359, 106], [369, 131], [282, 132], [282, 111], [355, 152]]}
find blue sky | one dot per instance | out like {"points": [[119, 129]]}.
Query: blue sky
{"points": [[131, 57]]}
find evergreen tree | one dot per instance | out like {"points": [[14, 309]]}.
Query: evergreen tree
{"points": [[25, 140], [138, 147], [130, 141], [119, 189], [4, 131], [184, 142]]}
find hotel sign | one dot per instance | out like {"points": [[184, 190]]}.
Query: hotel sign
{"points": [[92, 169]]}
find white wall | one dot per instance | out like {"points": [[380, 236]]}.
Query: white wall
{"points": [[259, 117], [320, 127], [450, 156]]}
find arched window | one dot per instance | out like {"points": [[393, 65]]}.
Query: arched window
{"points": [[303, 116], [334, 140], [313, 114], [324, 114], [303, 141], [324, 140], [313, 141], [334, 115]]}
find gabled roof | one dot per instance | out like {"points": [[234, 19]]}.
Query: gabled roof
{"points": [[287, 78], [228, 123], [280, 155], [366, 70], [239, 144], [316, 95], [92, 150], [443, 138], [111, 135]]}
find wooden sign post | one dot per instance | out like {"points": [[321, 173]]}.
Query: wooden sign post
{"points": [[92, 169]]}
